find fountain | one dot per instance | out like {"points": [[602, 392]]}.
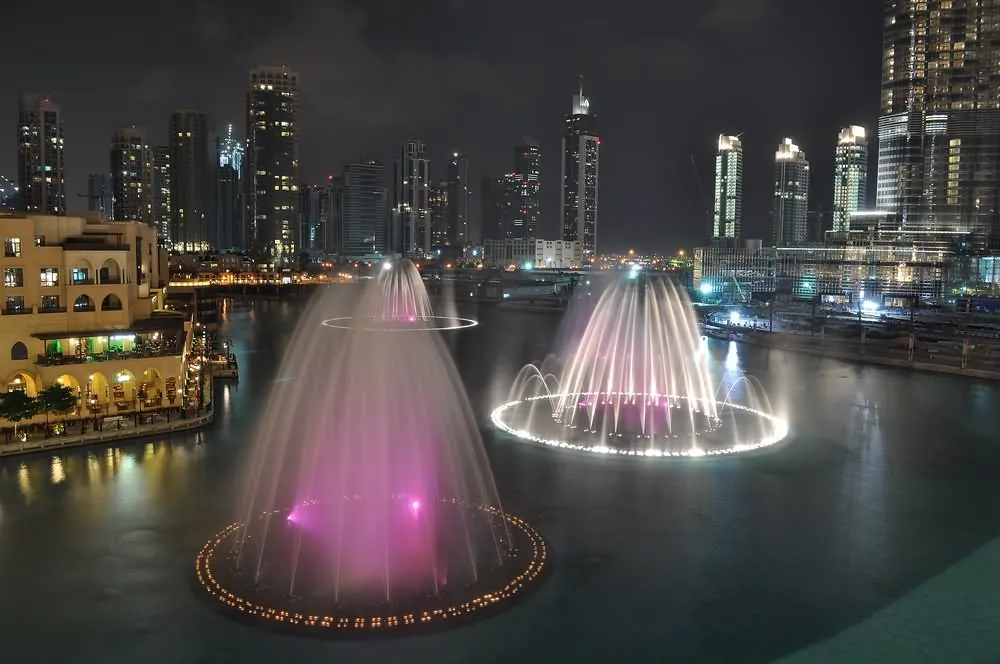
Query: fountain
{"points": [[400, 304], [370, 507], [638, 383]]}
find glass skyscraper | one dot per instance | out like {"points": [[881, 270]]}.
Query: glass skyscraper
{"points": [[791, 196], [581, 149], [850, 175]]}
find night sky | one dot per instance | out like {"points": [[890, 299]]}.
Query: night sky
{"points": [[663, 77]]}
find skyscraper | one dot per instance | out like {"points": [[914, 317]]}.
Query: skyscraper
{"points": [[364, 208], [41, 174], [495, 208], [939, 128], [727, 214], [190, 180], [411, 227], [131, 175], [437, 202], [526, 206], [99, 194], [580, 169], [273, 163], [230, 209], [850, 179], [318, 208], [161, 193], [791, 196], [459, 200]]}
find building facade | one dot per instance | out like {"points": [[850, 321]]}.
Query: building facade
{"points": [[162, 172], [939, 124], [495, 209], [99, 198], [525, 207], [131, 175], [411, 216], [790, 223], [850, 177], [272, 164], [190, 181], [41, 145], [437, 202], [727, 212], [581, 149], [364, 209], [230, 207], [459, 200], [530, 253], [83, 307]]}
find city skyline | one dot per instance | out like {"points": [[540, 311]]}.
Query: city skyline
{"points": [[634, 73]]}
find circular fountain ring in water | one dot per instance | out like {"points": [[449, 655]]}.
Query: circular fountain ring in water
{"points": [[779, 430], [526, 562], [410, 324]]}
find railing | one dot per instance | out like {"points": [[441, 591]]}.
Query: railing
{"points": [[18, 311], [112, 308], [82, 282], [87, 308], [111, 281], [52, 310], [59, 360]]}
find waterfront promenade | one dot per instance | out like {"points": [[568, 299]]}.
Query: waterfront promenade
{"points": [[977, 360]]}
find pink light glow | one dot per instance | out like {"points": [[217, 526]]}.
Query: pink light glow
{"points": [[414, 506]]}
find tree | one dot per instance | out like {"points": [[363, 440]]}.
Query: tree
{"points": [[55, 398], [16, 405]]}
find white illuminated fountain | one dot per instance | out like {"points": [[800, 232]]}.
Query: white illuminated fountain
{"points": [[638, 383]]}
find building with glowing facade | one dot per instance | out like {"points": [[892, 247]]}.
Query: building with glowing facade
{"points": [[411, 215], [230, 218], [272, 164], [83, 307], [526, 187], [131, 175], [939, 124], [727, 212], [850, 175], [41, 170], [790, 213], [581, 148]]}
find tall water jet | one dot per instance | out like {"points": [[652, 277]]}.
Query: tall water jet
{"points": [[637, 382], [370, 504]]}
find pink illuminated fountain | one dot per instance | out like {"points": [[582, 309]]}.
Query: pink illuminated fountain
{"points": [[638, 382], [370, 504]]}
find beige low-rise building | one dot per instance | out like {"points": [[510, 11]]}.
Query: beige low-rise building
{"points": [[82, 305]]}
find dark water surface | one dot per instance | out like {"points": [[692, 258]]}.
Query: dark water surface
{"points": [[889, 478]]}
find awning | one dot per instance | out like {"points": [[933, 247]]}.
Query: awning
{"points": [[166, 323]]}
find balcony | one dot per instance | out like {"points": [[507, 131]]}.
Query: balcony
{"points": [[18, 311], [82, 282], [52, 310], [168, 350]]}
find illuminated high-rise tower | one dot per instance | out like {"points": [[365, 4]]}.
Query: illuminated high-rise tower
{"points": [[791, 196], [411, 216], [191, 208], [526, 204], [230, 208], [850, 175], [272, 163], [41, 173], [131, 175], [939, 127], [580, 171], [727, 213]]}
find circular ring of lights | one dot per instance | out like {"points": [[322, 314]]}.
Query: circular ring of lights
{"points": [[354, 624], [429, 324], [498, 414]]}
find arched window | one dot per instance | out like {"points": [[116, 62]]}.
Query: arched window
{"points": [[83, 303], [19, 351], [111, 303], [110, 273]]}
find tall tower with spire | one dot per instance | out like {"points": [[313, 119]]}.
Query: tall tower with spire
{"points": [[581, 147]]}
